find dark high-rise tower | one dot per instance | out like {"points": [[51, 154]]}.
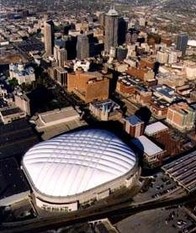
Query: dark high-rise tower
{"points": [[49, 37], [111, 29], [122, 30], [182, 41]]}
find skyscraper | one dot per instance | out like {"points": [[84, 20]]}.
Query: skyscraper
{"points": [[60, 55], [122, 30], [111, 29], [49, 37], [182, 41], [82, 46]]}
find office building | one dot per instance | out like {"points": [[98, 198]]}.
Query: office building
{"points": [[134, 126], [162, 57], [82, 46], [122, 30], [150, 152], [101, 18], [182, 41], [111, 29], [49, 37], [60, 55], [121, 53], [181, 116], [88, 86], [173, 57], [61, 76]]}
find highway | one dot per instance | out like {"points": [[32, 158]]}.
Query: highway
{"points": [[92, 213]]}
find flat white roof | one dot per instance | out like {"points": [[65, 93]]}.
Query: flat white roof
{"points": [[146, 145], [192, 43], [76, 162], [155, 128], [58, 114]]}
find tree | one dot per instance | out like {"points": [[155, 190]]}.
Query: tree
{"points": [[13, 82]]}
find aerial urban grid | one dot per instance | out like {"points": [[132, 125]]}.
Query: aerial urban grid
{"points": [[98, 116]]}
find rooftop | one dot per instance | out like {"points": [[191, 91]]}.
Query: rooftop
{"points": [[58, 114], [146, 145], [77, 161], [134, 120], [155, 128], [106, 105], [182, 107], [10, 111], [164, 90]]}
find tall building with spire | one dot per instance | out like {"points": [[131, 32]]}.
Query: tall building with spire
{"points": [[111, 29], [49, 37]]}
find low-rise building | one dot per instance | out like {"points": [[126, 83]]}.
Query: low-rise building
{"points": [[9, 114], [106, 110], [170, 79], [148, 150], [55, 117], [147, 62], [164, 92], [21, 73], [143, 74], [88, 86], [181, 116], [158, 109], [155, 128], [22, 101], [143, 95]]}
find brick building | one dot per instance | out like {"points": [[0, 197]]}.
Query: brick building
{"points": [[147, 63], [143, 74], [134, 126], [181, 116], [88, 86], [158, 109]]}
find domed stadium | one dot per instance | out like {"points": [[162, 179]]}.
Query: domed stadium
{"points": [[77, 167]]}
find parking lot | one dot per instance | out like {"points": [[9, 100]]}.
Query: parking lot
{"points": [[158, 186], [170, 220]]}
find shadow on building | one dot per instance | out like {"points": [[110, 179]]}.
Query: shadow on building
{"points": [[144, 114]]}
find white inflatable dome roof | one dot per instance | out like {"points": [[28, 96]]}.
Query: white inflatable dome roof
{"points": [[76, 162]]}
